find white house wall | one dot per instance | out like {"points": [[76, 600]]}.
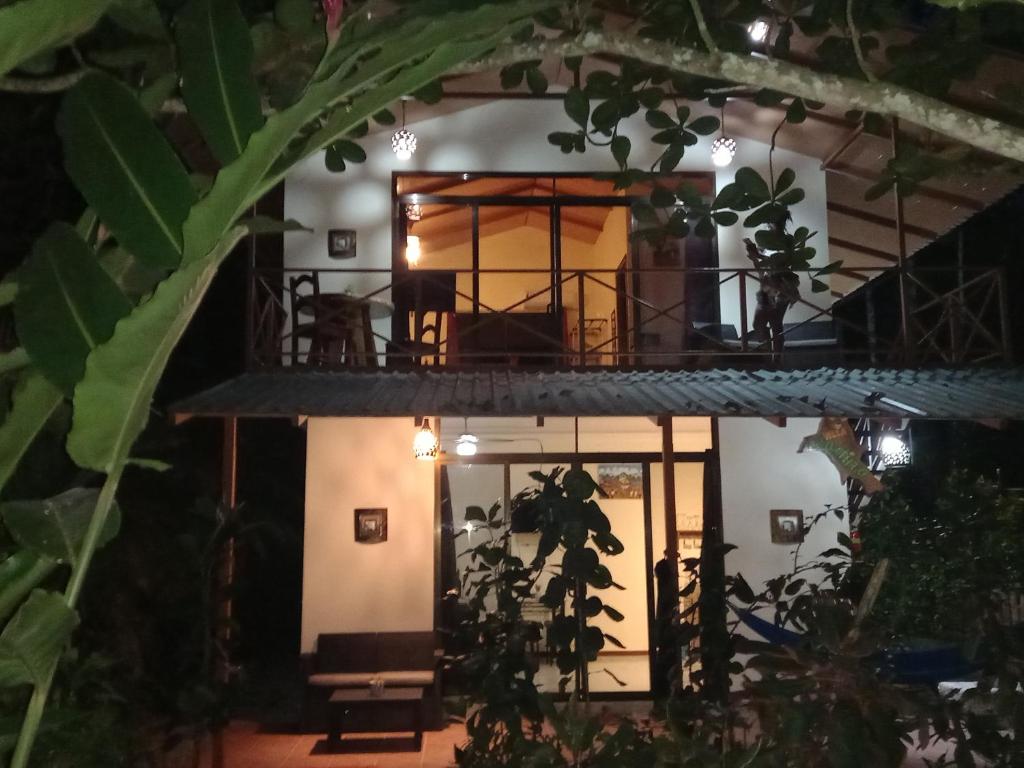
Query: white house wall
{"points": [[506, 136]]}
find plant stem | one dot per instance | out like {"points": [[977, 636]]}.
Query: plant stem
{"points": [[702, 27], [857, 50], [37, 704]]}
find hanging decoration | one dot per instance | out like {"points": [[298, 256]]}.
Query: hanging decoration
{"points": [[836, 440], [403, 142], [424, 445], [894, 451], [466, 443], [723, 149]]}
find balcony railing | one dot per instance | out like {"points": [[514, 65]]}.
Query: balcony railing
{"points": [[646, 317]]}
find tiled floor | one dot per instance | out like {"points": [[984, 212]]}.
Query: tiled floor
{"points": [[248, 745]]}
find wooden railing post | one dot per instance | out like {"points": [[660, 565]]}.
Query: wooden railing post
{"points": [[582, 320], [743, 310]]}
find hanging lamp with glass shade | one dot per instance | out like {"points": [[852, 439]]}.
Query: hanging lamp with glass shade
{"points": [[723, 149], [403, 142], [894, 451], [466, 443], [424, 445]]}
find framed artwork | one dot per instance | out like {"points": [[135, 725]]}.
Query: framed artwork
{"points": [[621, 481], [787, 526], [371, 526], [341, 243]]}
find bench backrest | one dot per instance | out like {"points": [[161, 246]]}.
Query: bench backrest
{"points": [[375, 651]]}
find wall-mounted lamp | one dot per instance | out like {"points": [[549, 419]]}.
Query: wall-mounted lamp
{"points": [[759, 31], [403, 142], [894, 451], [412, 249], [424, 445]]}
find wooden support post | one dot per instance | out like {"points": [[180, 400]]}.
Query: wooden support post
{"points": [[714, 632], [901, 258], [668, 467], [226, 569]]}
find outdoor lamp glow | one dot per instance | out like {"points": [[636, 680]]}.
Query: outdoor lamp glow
{"points": [[403, 143], [894, 451], [723, 150], [412, 249], [465, 445], [758, 31], [424, 445]]}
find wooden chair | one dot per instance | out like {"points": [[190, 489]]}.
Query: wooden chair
{"points": [[328, 336]]}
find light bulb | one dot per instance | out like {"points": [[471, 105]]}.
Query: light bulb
{"points": [[758, 30], [466, 444], [403, 143], [723, 150], [424, 445], [895, 452], [412, 249]]}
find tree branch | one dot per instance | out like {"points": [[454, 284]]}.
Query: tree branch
{"points": [[881, 97]]}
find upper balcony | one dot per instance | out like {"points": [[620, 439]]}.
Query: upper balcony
{"points": [[528, 271]]}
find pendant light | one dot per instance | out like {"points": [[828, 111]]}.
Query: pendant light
{"points": [[424, 445], [894, 451], [403, 143], [723, 149], [466, 443]]}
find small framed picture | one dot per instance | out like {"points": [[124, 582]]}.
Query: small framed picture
{"points": [[621, 481], [371, 526], [341, 243], [787, 526]]}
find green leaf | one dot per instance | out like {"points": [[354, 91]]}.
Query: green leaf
{"points": [[797, 111], [579, 484], [8, 290], [66, 306], [792, 197], [613, 614], [215, 59], [34, 638], [577, 107], [658, 119], [621, 147], [153, 96], [785, 180], [111, 403], [536, 81], [476, 513], [662, 197], [20, 574], [704, 126], [268, 225], [750, 181], [125, 169], [294, 15], [29, 27], [14, 360], [725, 218], [55, 527], [341, 152], [431, 93], [35, 401]]}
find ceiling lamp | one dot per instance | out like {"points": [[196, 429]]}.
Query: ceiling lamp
{"points": [[424, 445], [895, 452], [403, 143], [412, 249], [758, 31], [466, 443], [413, 212], [723, 149]]}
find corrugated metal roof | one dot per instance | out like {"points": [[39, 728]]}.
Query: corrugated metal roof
{"points": [[934, 394]]}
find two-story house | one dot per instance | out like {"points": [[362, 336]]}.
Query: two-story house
{"points": [[457, 319]]}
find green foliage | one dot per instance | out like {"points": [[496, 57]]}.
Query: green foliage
{"points": [[55, 528], [215, 56], [956, 551], [34, 638], [31, 27], [125, 169], [66, 305]]}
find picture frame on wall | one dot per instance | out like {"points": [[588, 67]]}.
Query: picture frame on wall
{"points": [[371, 526], [787, 526], [341, 243], [621, 481]]}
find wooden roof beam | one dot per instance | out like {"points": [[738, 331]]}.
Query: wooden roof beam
{"points": [[882, 221], [867, 250], [843, 169]]}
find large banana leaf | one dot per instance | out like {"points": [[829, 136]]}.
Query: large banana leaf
{"points": [[20, 574], [34, 638], [35, 400], [215, 58], [30, 27], [56, 527], [111, 403], [66, 305], [401, 46], [125, 169]]}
